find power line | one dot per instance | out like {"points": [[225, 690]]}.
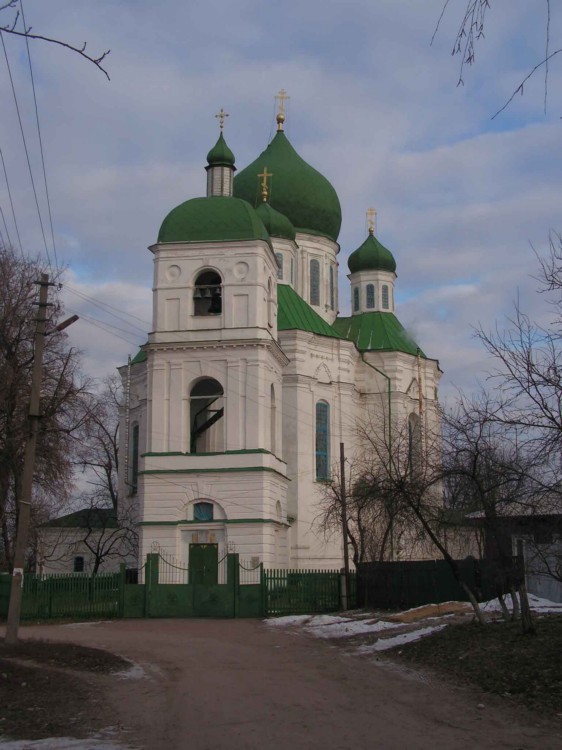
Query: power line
{"points": [[5, 227], [40, 141], [11, 201], [106, 307], [25, 148]]}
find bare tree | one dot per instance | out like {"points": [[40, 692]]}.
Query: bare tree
{"points": [[471, 30], [62, 394], [9, 20]]}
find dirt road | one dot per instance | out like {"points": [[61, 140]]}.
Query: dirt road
{"points": [[238, 684]]}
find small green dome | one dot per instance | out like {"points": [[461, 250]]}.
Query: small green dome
{"points": [[276, 223], [220, 155], [298, 191], [371, 256], [214, 219]]}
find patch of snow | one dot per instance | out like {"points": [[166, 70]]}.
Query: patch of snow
{"points": [[535, 602], [134, 672], [84, 624], [287, 621], [384, 644], [61, 743], [350, 628]]}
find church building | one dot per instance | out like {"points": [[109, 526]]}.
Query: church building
{"points": [[250, 380]]}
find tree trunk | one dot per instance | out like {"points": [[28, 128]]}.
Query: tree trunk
{"points": [[527, 623]]}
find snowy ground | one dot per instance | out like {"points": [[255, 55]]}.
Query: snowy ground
{"points": [[61, 743], [390, 631]]}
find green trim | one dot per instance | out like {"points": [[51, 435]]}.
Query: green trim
{"points": [[216, 522], [216, 453], [212, 471], [140, 356]]}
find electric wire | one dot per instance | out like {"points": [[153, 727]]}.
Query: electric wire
{"points": [[11, 200], [107, 308], [40, 142], [5, 227], [26, 150]]}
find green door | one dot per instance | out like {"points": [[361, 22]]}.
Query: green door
{"points": [[204, 564]]}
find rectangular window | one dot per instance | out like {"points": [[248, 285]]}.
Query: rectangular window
{"points": [[279, 259], [332, 304], [356, 299], [314, 282], [370, 296], [79, 564], [385, 305]]}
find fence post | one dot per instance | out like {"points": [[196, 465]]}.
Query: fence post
{"points": [[344, 594], [263, 579], [233, 578], [122, 575], [151, 580]]}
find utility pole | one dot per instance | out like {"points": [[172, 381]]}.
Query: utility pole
{"points": [[344, 527], [24, 505]]}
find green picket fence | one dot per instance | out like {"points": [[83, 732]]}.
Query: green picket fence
{"points": [[71, 596], [296, 592]]}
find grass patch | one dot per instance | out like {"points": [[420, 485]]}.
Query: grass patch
{"points": [[499, 659]]}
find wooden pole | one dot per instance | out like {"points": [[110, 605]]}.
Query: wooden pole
{"points": [[24, 505]]}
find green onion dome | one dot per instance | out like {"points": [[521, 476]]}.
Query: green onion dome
{"points": [[220, 155], [214, 219], [276, 224], [371, 256], [298, 191]]}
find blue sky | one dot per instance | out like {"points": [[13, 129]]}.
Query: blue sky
{"points": [[461, 198]]}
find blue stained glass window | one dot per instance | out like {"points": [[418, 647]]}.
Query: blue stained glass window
{"points": [[370, 296], [385, 305], [203, 512], [279, 259], [356, 299], [314, 282], [331, 287], [322, 440]]}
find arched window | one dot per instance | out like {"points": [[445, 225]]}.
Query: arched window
{"points": [[207, 295], [203, 512], [206, 416], [273, 421], [356, 299], [279, 259], [332, 302], [314, 282], [414, 442], [322, 440], [292, 271], [385, 305], [134, 459], [370, 296]]}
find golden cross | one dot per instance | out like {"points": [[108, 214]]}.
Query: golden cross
{"points": [[282, 98], [221, 115], [265, 174], [371, 218]]}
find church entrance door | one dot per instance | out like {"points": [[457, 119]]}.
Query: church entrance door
{"points": [[208, 594]]}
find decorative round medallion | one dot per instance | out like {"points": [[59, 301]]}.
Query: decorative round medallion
{"points": [[173, 273], [241, 270]]}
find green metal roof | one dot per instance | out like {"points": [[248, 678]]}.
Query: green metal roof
{"points": [[139, 357], [298, 191], [377, 331], [371, 256], [276, 223], [212, 219], [87, 518], [220, 155], [294, 313]]}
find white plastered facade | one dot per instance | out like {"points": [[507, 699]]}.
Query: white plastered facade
{"points": [[259, 471]]}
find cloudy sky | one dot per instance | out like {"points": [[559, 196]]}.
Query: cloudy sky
{"points": [[461, 198]]}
